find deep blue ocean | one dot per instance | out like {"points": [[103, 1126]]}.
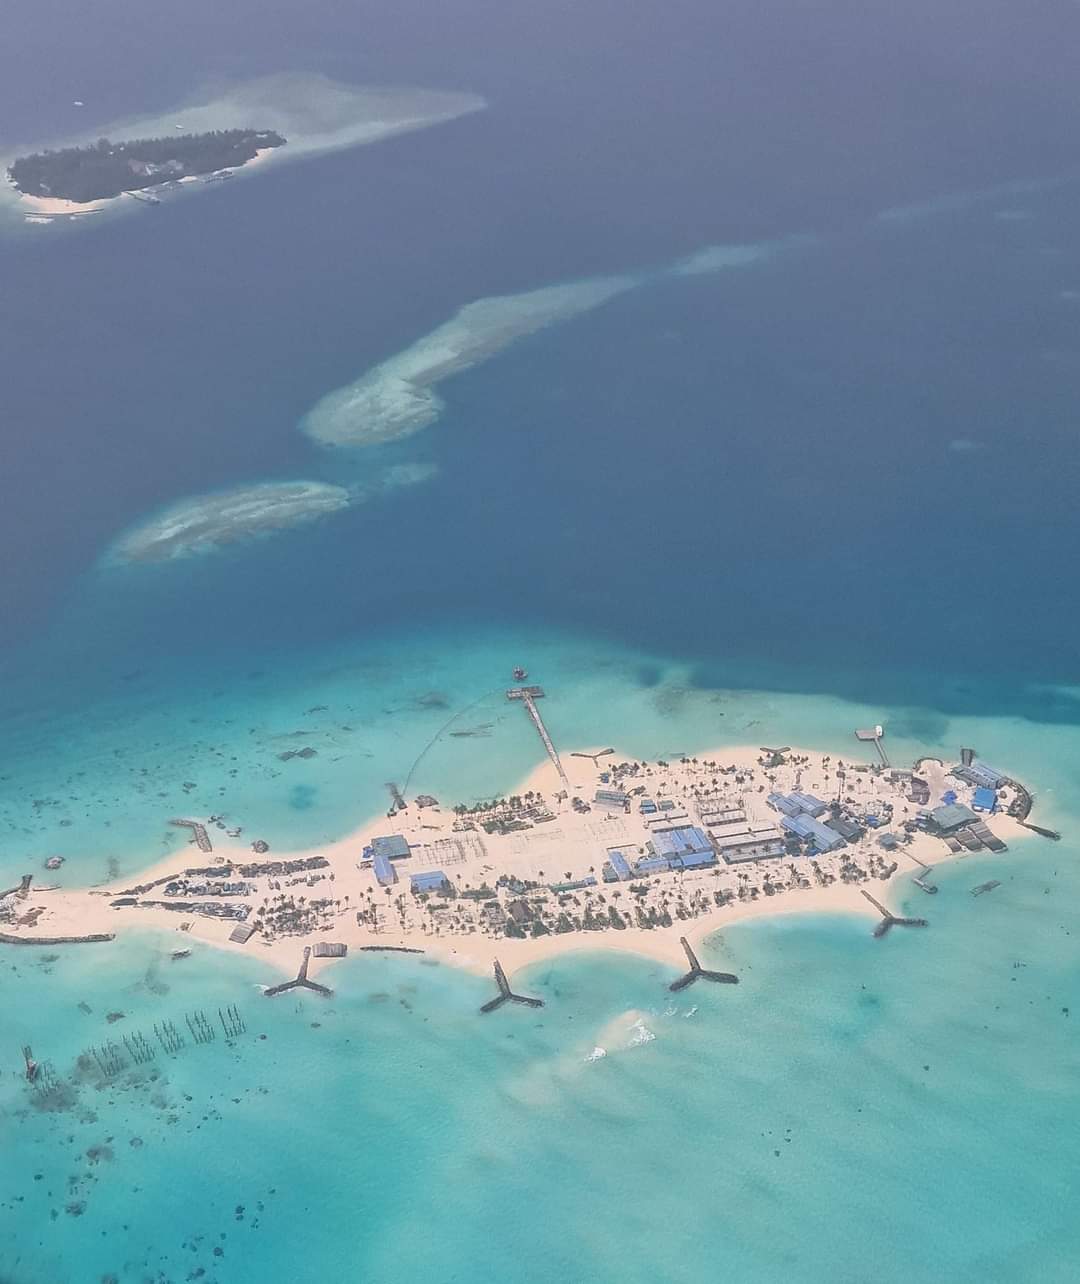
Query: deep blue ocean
{"points": [[836, 484]]}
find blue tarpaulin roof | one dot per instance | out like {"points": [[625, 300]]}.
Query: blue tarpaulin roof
{"points": [[984, 799], [384, 870]]}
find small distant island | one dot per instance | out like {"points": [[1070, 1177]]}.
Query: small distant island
{"points": [[106, 169]]}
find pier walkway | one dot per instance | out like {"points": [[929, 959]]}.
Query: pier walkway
{"points": [[529, 696], [874, 734], [301, 981]]}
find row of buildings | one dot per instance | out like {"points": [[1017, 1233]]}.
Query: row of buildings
{"points": [[383, 853]]}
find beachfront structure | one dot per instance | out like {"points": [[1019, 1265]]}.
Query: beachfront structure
{"points": [[821, 837], [949, 818], [392, 846], [617, 867], [613, 798], [429, 880], [984, 799], [683, 847], [981, 774], [242, 933], [385, 873], [329, 950]]}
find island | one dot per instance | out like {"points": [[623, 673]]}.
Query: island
{"points": [[105, 169], [593, 850], [189, 148]]}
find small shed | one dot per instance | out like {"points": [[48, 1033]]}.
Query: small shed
{"points": [[330, 950], [242, 933]]}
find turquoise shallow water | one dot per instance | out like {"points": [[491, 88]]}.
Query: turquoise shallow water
{"points": [[97, 782], [852, 1105], [767, 506]]}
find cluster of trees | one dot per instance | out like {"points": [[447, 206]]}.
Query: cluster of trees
{"points": [[106, 169]]}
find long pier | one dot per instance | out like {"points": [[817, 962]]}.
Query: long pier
{"points": [[889, 919], [874, 734], [699, 973], [506, 994], [301, 981], [529, 696]]}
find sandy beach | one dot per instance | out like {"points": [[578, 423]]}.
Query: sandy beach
{"points": [[341, 900]]}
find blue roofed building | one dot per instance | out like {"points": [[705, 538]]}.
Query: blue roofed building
{"points": [[429, 880], [784, 805], [385, 872], [684, 846], [808, 803], [984, 799], [981, 773], [393, 847], [813, 831], [652, 865], [617, 867]]}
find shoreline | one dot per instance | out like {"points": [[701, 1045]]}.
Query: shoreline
{"points": [[362, 914], [312, 112]]}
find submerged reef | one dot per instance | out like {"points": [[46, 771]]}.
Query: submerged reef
{"points": [[208, 522], [397, 398]]}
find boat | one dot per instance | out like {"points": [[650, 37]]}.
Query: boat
{"points": [[520, 674], [54, 862], [986, 887], [180, 954]]}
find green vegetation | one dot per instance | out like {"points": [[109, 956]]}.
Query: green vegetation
{"points": [[105, 168]]}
